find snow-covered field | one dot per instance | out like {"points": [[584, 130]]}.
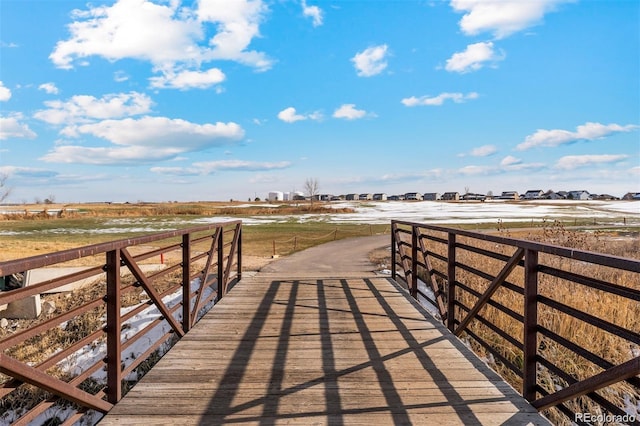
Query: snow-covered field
{"points": [[381, 212]]}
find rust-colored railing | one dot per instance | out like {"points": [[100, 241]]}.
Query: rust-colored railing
{"points": [[561, 324], [87, 347]]}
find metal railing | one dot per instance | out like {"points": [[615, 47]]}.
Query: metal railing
{"points": [[84, 353], [561, 324]]}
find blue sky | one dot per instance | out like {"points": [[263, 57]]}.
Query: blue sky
{"points": [[218, 99]]}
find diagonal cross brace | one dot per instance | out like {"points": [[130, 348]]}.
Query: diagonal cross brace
{"points": [[437, 291], [495, 284], [153, 294], [608, 377], [31, 375], [205, 273]]}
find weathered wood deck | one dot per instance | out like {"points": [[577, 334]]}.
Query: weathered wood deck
{"points": [[337, 351]]}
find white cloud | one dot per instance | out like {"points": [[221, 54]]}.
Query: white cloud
{"points": [[11, 127], [484, 151], [120, 76], [144, 139], [210, 167], [475, 170], [371, 61], [473, 58], [135, 28], [238, 23], [439, 100], [213, 166], [5, 93], [188, 79], [349, 112], [510, 160], [588, 131], [314, 12], [130, 29], [571, 162], [83, 108], [50, 88], [290, 115], [501, 17]]}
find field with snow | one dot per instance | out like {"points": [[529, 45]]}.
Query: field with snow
{"points": [[613, 213]]}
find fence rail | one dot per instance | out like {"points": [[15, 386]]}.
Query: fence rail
{"points": [[83, 357], [561, 324]]}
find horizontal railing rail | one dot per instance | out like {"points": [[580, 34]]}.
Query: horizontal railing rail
{"points": [[561, 324], [129, 301]]}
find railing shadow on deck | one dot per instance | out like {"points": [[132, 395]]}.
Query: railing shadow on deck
{"points": [[82, 358], [222, 410], [541, 312]]}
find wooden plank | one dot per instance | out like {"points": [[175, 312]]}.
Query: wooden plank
{"points": [[353, 350]]}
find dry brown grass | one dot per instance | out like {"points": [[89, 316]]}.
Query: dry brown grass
{"points": [[69, 211], [615, 309]]}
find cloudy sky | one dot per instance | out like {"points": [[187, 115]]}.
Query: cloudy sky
{"points": [[161, 100]]}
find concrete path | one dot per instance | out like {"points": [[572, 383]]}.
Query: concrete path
{"points": [[337, 258]]}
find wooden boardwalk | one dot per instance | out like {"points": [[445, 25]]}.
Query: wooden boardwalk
{"points": [[309, 350]]}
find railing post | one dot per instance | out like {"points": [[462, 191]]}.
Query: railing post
{"points": [[393, 250], [414, 261], [221, 284], [114, 345], [530, 324], [451, 278], [239, 250], [186, 282]]}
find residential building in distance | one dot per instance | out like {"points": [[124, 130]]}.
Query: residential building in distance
{"points": [[414, 196], [451, 196], [381, 196], [578, 195], [469, 196], [631, 196], [550, 195], [395, 198], [431, 196], [365, 197], [509, 195], [352, 197], [533, 194]]}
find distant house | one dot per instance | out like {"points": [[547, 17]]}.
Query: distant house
{"points": [[431, 196], [451, 196], [413, 196], [469, 196], [395, 198], [365, 197], [338, 198], [550, 195], [508, 195], [381, 196], [325, 197], [605, 197], [533, 194], [578, 195], [631, 196], [352, 197]]}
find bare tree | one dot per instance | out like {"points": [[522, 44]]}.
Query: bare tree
{"points": [[4, 190], [311, 187]]}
